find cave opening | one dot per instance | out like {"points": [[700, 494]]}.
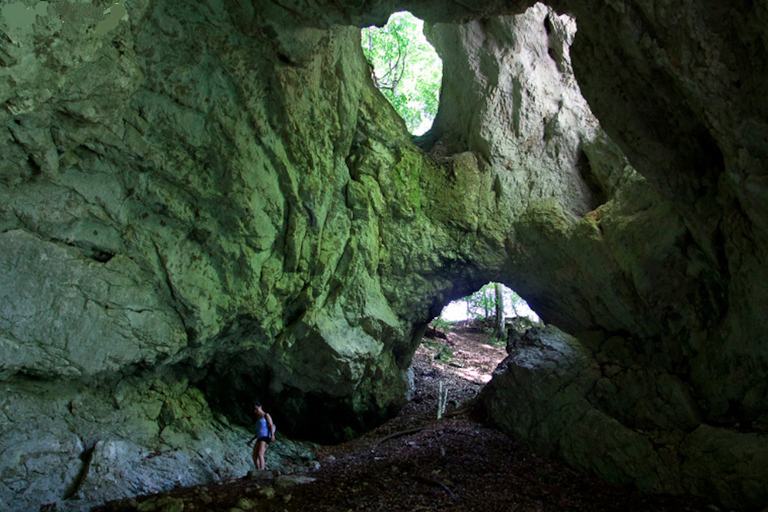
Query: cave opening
{"points": [[481, 305], [470, 334], [406, 68]]}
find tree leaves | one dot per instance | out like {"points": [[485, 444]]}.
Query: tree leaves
{"points": [[406, 69], [482, 303]]}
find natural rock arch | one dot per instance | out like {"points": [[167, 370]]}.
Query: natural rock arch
{"points": [[185, 210]]}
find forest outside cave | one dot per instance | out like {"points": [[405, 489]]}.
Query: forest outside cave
{"points": [[406, 68]]}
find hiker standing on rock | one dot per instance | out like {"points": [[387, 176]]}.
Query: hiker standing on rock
{"points": [[265, 434]]}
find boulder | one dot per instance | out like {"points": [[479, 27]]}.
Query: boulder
{"points": [[621, 419]]}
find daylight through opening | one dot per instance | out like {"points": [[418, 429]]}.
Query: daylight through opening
{"points": [[481, 305], [405, 68], [469, 338]]}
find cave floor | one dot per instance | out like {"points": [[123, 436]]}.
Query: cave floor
{"points": [[418, 463]]}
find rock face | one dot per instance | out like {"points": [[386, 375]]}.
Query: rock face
{"points": [[668, 316], [598, 249], [237, 216], [207, 202], [615, 415]]}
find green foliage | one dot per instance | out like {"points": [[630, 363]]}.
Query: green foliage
{"points": [[482, 303], [494, 338], [515, 301], [406, 68], [521, 324]]}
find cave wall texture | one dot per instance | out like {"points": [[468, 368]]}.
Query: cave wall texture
{"points": [[203, 202]]}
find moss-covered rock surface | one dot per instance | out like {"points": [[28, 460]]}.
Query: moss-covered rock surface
{"points": [[207, 202]]}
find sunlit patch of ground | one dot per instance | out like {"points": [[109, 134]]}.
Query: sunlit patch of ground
{"points": [[465, 353]]}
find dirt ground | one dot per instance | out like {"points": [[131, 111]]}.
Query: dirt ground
{"points": [[417, 463]]}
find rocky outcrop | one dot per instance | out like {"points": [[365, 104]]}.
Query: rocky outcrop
{"points": [[242, 216], [203, 202], [690, 119], [73, 445], [640, 276], [623, 418]]}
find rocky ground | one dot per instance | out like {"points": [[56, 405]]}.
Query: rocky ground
{"points": [[418, 463]]}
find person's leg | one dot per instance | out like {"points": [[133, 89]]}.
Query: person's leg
{"points": [[262, 446], [256, 455]]}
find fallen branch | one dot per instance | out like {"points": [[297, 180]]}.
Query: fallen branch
{"points": [[461, 410], [398, 434], [434, 481]]}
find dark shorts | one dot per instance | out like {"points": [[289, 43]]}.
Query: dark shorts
{"points": [[264, 440]]}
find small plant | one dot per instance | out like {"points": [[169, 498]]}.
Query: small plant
{"points": [[499, 341], [520, 323], [444, 353], [441, 323]]}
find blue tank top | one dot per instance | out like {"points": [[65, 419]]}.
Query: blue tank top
{"points": [[261, 428]]}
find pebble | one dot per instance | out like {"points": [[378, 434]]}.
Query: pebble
{"points": [[267, 492], [245, 504]]}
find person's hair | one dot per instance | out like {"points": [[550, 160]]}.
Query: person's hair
{"points": [[256, 403]]}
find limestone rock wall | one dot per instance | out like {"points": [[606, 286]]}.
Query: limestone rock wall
{"points": [[206, 201], [212, 195], [686, 109], [658, 282]]}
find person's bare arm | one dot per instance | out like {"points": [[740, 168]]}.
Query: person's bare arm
{"points": [[271, 426]]}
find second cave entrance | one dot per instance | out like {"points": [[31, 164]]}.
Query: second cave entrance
{"points": [[462, 340]]}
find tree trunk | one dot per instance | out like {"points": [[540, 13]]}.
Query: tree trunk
{"points": [[499, 330]]}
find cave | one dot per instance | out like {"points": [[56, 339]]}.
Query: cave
{"points": [[207, 201]]}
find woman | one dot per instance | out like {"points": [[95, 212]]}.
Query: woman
{"points": [[265, 434]]}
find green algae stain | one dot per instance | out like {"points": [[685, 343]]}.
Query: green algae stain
{"points": [[407, 181], [19, 18], [113, 16], [75, 15]]}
